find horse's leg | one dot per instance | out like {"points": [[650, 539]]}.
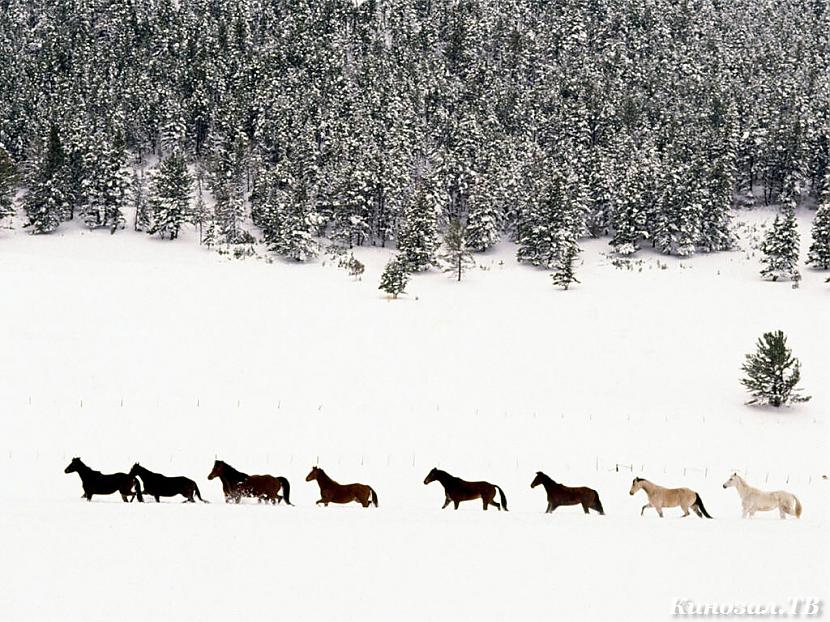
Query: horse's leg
{"points": [[685, 509], [549, 508], [124, 498], [446, 502], [697, 511], [157, 498], [456, 504], [647, 505], [659, 510], [782, 512]]}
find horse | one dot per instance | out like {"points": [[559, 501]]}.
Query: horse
{"points": [[458, 490], [236, 484], [659, 498], [565, 495], [97, 483], [332, 492], [157, 485], [754, 500]]}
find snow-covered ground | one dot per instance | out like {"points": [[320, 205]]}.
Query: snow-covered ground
{"points": [[122, 348]]}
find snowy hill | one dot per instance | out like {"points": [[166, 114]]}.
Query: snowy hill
{"points": [[122, 348]]}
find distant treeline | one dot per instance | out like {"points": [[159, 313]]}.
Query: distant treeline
{"points": [[383, 121]]}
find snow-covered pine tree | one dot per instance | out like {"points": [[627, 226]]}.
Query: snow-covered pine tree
{"points": [[394, 278], [105, 185], [780, 249], [455, 256], [47, 201], [819, 253], [170, 197], [565, 264], [8, 179], [772, 373], [418, 233], [141, 208]]}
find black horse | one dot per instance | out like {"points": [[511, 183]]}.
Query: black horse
{"points": [[97, 483], [157, 485], [457, 490]]}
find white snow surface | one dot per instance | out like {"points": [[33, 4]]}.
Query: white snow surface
{"points": [[120, 348]]}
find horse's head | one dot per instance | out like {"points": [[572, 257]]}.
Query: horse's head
{"points": [[134, 470], [313, 473], [433, 475], [218, 469], [732, 481], [636, 485], [74, 466], [539, 479]]}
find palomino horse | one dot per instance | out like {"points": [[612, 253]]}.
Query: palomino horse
{"points": [[458, 490], [332, 492], [754, 500], [659, 498], [565, 495], [157, 485], [97, 483], [236, 484]]}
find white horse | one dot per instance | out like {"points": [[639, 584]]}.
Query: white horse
{"points": [[754, 500], [660, 497]]}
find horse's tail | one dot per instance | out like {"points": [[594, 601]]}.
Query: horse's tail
{"points": [[286, 488], [198, 494], [374, 496], [598, 505], [797, 507], [138, 495], [502, 498], [699, 504]]}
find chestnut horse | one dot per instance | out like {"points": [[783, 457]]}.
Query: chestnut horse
{"points": [[565, 495], [458, 490], [332, 492], [97, 483], [236, 484], [157, 485]]}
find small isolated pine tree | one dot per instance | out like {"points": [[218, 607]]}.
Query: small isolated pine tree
{"points": [[141, 221], [564, 273], [456, 257], [819, 254], [780, 248], [772, 372], [394, 278]]}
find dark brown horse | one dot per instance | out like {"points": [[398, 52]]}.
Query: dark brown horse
{"points": [[332, 492], [458, 490], [97, 483], [157, 485], [565, 495], [236, 484]]}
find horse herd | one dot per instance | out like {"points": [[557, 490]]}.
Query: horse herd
{"points": [[237, 485]]}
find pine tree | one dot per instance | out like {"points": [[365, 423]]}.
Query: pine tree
{"points": [[819, 254], [394, 278], [772, 373], [455, 257], [780, 249], [564, 266], [418, 234], [105, 186], [47, 200], [141, 220], [8, 178], [170, 198]]}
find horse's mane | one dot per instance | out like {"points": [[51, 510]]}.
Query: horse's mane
{"points": [[232, 472], [321, 474]]}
